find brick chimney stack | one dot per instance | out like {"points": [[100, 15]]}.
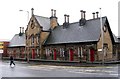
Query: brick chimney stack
{"points": [[53, 19], [66, 23], [82, 21]]}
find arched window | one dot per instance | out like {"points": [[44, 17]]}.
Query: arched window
{"points": [[32, 40], [32, 24]]}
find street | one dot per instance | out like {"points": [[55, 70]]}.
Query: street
{"points": [[23, 69]]}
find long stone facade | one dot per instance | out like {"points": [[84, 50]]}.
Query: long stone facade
{"points": [[79, 41], [71, 52]]}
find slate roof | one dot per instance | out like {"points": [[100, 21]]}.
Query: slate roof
{"points": [[90, 32], [43, 21], [17, 41], [116, 39]]}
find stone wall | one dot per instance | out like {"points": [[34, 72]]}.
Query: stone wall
{"points": [[107, 40]]}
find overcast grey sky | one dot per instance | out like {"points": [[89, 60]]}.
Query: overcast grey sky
{"points": [[11, 18]]}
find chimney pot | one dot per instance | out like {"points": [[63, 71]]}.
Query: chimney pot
{"points": [[54, 13], [81, 10], [51, 12], [65, 17], [93, 15], [84, 14], [97, 14], [22, 29], [68, 18], [20, 34], [32, 11], [84, 11], [81, 13]]}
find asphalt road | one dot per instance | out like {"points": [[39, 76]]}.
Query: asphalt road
{"points": [[23, 69]]}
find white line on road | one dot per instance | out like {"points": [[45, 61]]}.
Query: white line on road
{"points": [[115, 74]]}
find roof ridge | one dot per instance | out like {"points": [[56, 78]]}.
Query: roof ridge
{"points": [[86, 20], [42, 16], [18, 33], [97, 18]]}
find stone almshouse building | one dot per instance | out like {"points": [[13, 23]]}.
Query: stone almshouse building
{"points": [[78, 41], [17, 45], [37, 32]]}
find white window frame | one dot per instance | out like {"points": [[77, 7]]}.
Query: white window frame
{"points": [[78, 51], [81, 51]]}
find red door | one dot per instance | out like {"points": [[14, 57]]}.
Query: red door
{"points": [[92, 55], [71, 55], [33, 53], [55, 54]]}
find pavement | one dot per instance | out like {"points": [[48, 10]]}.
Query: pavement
{"points": [[35, 70], [65, 63]]}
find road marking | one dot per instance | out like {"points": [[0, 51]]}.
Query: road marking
{"points": [[77, 70], [2, 65], [113, 74], [73, 66], [85, 70], [92, 71]]}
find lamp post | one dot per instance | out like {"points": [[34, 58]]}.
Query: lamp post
{"points": [[27, 53], [27, 14], [102, 37]]}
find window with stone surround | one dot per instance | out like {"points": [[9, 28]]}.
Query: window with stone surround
{"points": [[32, 24], [32, 40], [105, 48], [62, 52]]}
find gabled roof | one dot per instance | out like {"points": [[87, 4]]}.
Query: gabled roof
{"points": [[43, 21], [17, 41], [116, 39], [90, 32]]}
